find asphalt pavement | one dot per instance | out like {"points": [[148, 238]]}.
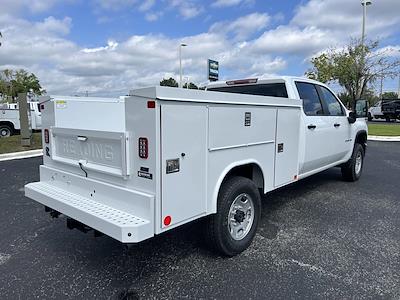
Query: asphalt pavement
{"points": [[321, 238]]}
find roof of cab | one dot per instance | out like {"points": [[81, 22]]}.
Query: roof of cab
{"points": [[261, 80]]}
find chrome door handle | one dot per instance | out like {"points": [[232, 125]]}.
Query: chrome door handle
{"points": [[312, 126], [336, 125]]}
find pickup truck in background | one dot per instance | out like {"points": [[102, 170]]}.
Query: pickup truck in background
{"points": [[167, 156], [9, 118], [375, 111], [391, 110]]}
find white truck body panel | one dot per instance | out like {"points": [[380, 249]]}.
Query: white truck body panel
{"points": [[93, 172]]}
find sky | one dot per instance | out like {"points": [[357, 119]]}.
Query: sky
{"points": [[108, 47]]}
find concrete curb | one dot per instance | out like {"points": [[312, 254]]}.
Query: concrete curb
{"points": [[384, 138], [20, 155]]}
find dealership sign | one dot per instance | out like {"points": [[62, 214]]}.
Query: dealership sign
{"points": [[213, 70]]}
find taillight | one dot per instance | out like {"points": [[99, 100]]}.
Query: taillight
{"points": [[151, 104], [143, 147], [46, 136]]}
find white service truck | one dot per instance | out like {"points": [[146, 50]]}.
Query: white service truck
{"points": [[9, 118], [165, 156]]}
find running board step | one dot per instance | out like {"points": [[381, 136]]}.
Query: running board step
{"points": [[120, 225]]}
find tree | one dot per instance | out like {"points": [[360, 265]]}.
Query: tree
{"points": [[192, 86], [20, 81], [390, 95], [169, 82], [354, 67]]}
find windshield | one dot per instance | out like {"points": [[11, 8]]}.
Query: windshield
{"points": [[269, 89]]}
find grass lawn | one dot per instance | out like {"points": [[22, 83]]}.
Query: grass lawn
{"points": [[13, 143], [384, 129]]}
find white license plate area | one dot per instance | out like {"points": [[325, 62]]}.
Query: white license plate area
{"points": [[102, 151]]}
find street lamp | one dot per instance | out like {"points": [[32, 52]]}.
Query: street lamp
{"points": [[364, 3], [180, 63]]}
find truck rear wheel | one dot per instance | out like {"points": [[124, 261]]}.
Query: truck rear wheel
{"points": [[231, 230], [351, 171], [5, 131]]}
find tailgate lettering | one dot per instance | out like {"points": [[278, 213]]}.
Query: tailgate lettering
{"points": [[88, 150]]}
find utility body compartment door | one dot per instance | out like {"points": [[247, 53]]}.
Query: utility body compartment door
{"points": [[183, 165], [287, 145]]}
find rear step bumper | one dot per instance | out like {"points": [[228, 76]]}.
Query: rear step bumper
{"points": [[111, 220]]}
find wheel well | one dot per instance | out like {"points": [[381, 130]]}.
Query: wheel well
{"points": [[9, 124], [251, 171], [361, 138]]}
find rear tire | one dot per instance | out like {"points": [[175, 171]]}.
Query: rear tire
{"points": [[351, 171], [231, 230], [5, 131]]}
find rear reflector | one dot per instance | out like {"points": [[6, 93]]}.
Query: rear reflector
{"points": [[151, 104], [46, 136], [242, 81], [167, 220], [143, 148]]}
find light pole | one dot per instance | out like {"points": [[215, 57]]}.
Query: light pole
{"points": [[398, 91], [180, 63], [364, 3]]}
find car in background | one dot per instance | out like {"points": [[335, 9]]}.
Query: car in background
{"points": [[375, 112], [391, 110]]}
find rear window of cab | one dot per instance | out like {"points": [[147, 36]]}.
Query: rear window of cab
{"points": [[268, 89]]}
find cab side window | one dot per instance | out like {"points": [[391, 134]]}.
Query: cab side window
{"points": [[333, 105], [311, 103]]}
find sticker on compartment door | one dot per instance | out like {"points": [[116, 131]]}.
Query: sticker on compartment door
{"points": [[144, 173], [60, 104]]}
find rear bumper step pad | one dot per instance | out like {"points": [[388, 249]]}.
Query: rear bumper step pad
{"points": [[113, 222]]}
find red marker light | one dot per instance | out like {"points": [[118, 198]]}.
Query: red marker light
{"points": [[151, 104], [46, 136], [242, 81], [167, 220]]}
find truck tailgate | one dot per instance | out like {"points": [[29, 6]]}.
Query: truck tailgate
{"points": [[101, 151]]}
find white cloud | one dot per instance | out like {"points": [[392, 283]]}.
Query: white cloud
{"points": [[343, 16], [146, 5], [292, 40], [243, 27], [51, 24], [227, 3], [34, 6], [153, 16], [188, 9], [114, 5], [390, 51], [111, 46]]}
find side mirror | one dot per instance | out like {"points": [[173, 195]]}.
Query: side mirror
{"points": [[361, 109], [352, 117]]}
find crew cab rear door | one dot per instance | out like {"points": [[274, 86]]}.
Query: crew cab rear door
{"points": [[317, 129], [340, 133]]}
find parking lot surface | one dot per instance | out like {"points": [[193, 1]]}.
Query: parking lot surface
{"points": [[319, 238]]}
